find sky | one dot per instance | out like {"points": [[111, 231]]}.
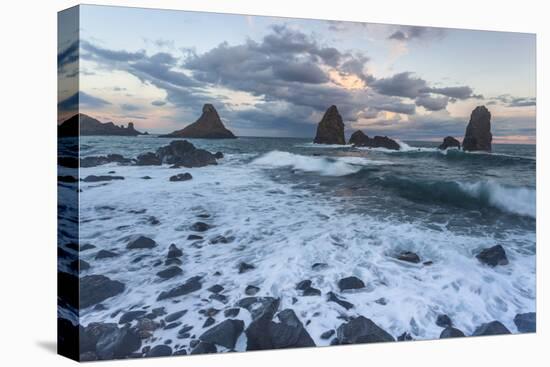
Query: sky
{"points": [[270, 76]]}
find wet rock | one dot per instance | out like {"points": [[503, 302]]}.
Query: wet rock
{"points": [[493, 256], [260, 307], [222, 239], [478, 132], [175, 316], [86, 247], [181, 153], [232, 312], [327, 334], [204, 348], [117, 343], [97, 288], [170, 272], [215, 288], [148, 159], [526, 322], [146, 178], [218, 155], [405, 337], [359, 139], [200, 227], [408, 256], [290, 332], [209, 322], [181, 352], [361, 330], [225, 333], [443, 321], [101, 178], [208, 126], [449, 142], [141, 242], [172, 325], [333, 298], [191, 285], [319, 266], [303, 285], [218, 297], [311, 292], [160, 350], [350, 283], [451, 332], [244, 267], [491, 328], [194, 237], [173, 252], [67, 179], [181, 177], [145, 327], [105, 254], [94, 161], [79, 265], [331, 128], [131, 316], [251, 290]]}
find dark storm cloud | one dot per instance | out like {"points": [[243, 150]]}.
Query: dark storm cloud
{"points": [[83, 100], [305, 72], [463, 92], [68, 55], [432, 103], [411, 33], [119, 55]]}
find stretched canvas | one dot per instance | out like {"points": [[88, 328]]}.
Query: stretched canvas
{"points": [[235, 183]]}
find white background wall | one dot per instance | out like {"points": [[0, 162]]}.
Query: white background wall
{"points": [[28, 182]]}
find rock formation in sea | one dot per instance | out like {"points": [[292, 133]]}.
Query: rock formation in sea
{"points": [[478, 132], [208, 126], [449, 142], [92, 127], [331, 128], [359, 139]]}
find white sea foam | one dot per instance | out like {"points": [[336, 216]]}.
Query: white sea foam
{"points": [[282, 231], [515, 200]]}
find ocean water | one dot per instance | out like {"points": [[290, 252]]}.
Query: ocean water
{"points": [[288, 204]]}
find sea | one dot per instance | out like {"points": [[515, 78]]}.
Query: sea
{"points": [[285, 204]]}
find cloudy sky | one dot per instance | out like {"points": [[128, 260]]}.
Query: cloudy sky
{"points": [[276, 76]]}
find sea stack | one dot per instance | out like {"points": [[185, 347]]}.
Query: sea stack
{"points": [[331, 128], [208, 126], [359, 139], [449, 142], [478, 133]]}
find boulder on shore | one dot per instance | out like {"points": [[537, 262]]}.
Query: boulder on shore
{"points": [[478, 132], [449, 142], [97, 288], [359, 139], [491, 328], [493, 256], [208, 126], [331, 128], [526, 322], [361, 330]]}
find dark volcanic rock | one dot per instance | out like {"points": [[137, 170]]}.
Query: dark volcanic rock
{"points": [[451, 332], [443, 321], [209, 322], [208, 126], [94, 161], [131, 316], [244, 267], [148, 159], [478, 132], [409, 256], [331, 128], [251, 290], [92, 127], [200, 227], [204, 348], [327, 334], [97, 288], [67, 179], [232, 312], [79, 265], [303, 285], [141, 242], [101, 178], [449, 142], [290, 332], [191, 285], [218, 155], [193, 237], [160, 350], [350, 283], [181, 153], [174, 252], [215, 288], [405, 337], [493, 256], [319, 266], [225, 334], [170, 272], [175, 316], [359, 139], [361, 330], [526, 322], [311, 292], [105, 254], [181, 177], [491, 328], [333, 298], [117, 343]]}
